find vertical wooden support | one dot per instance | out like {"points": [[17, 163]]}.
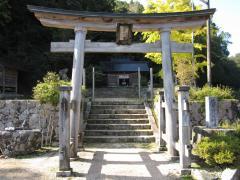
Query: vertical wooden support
{"points": [[139, 83], [93, 84], [151, 84], [64, 132], [211, 105], [171, 124], [84, 78], [161, 120], [77, 73], [184, 128]]}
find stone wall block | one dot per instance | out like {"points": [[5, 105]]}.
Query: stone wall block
{"points": [[2, 104], [34, 121], [10, 145], [31, 104]]}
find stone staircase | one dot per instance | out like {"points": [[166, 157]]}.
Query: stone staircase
{"points": [[118, 122]]}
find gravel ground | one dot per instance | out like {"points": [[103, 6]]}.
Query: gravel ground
{"points": [[97, 161]]}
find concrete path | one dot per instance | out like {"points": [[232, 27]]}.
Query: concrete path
{"points": [[97, 162], [123, 162]]}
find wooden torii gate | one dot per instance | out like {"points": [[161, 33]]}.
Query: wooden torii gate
{"points": [[81, 22]]}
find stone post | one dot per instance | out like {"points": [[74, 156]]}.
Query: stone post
{"points": [[171, 124], [93, 84], [84, 78], [151, 84], [161, 120], [139, 83], [64, 132], [211, 105], [184, 129], [77, 76]]}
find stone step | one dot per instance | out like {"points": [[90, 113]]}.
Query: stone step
{"points": [[117, 116], [133, 106], [119, 139], [118, 132], [117, 126], [118, 111], [118, 121], [117, 103]]}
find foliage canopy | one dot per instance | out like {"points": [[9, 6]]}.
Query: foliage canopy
{"points": [[47, 91], [185, 72], [199, 94]]}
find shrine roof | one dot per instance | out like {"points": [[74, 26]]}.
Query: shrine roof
{"points": [[62, 18], [127, 67]]}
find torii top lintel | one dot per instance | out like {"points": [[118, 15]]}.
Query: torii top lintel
{"points": [[101, 21]]}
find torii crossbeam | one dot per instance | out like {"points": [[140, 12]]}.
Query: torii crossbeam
{"points": [[111, 47]]}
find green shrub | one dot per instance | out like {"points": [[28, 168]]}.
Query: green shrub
{"points": [[47, 91], [199, 94], [220, 149], [228, 125]]}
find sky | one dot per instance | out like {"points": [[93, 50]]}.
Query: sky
{"points": [[227, 18]]}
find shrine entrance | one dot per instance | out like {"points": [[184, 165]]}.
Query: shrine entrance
{"points": [[123, 25]]}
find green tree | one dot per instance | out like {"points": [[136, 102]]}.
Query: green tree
{"points": [[25, 42], [236, 59], [131, 7], [4, 12], [121, 7], [183, 61], [224, 70], [135, 7]]}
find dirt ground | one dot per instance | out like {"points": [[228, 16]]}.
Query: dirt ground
{"points": [[97, 161]]}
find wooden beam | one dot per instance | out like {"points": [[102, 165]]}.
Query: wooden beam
{"points": [[111, 27], [109, 47]]}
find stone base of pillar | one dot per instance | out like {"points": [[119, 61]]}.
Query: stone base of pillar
{"points": [[185, 172], [64, 173], [80, 137], [73, 153]]}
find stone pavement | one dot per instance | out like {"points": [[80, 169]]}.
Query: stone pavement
{"points": [[97, 162], [123, 162]]}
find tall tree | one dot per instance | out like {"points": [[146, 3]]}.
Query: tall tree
{"points": [[25, 42], [4, 12], [131, 7], [182, 62]]}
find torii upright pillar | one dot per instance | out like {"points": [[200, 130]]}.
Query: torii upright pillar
{"points": [[168, 84], [77, 76]]}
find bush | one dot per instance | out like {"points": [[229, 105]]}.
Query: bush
{"points": [[220, 149], [47, 91], [199, 94]]}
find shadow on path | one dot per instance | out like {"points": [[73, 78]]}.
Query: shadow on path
{"points": [[114, 168]]}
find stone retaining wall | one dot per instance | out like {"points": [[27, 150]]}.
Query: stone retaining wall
{"points": [[228, 110], [19, 142], [37, 116]]}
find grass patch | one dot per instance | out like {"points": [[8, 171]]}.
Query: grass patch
{"points": [[188, 177]]}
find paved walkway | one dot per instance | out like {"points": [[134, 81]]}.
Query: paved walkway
{"points": [[118, 161], [97, 162]]}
